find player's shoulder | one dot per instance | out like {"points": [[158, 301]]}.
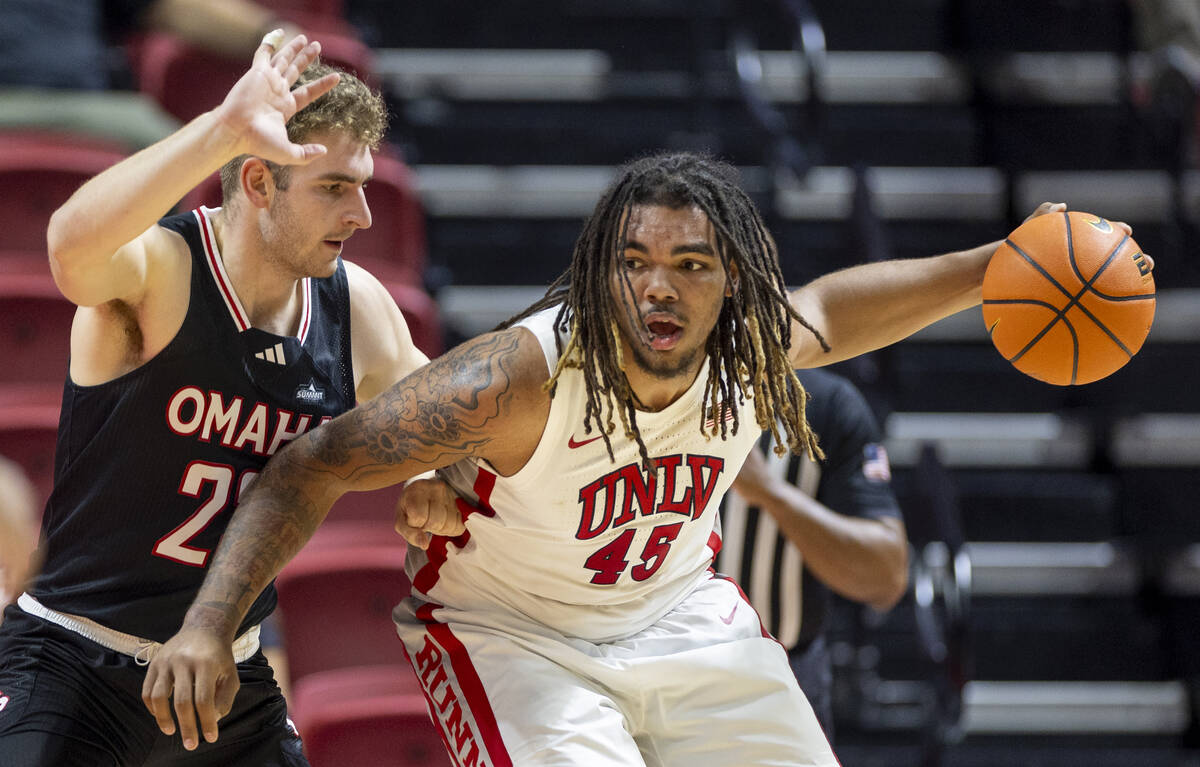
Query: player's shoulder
{"points": [[359, 278], [834, 400], [822, 383], [368, 294], [163, 258]]}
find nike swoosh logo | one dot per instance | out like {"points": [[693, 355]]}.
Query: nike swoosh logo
{"points": [[571, 443], [732, 612]]}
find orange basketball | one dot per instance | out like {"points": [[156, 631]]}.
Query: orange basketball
{"points": [[1068, 298]]}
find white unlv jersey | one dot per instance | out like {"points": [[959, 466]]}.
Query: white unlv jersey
{"points": [[589, 547]]}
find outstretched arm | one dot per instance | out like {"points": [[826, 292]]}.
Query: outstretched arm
{"points": [[870, 306], [482, 399]]}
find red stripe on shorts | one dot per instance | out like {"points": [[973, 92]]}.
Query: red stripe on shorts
{"points": [[429, 704], [472, 689]]}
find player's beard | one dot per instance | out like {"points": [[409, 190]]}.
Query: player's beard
{"points": [[289, 247], [657, 365]]}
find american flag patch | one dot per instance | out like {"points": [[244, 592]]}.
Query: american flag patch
{"points": [[710, 421], [875, 463]]}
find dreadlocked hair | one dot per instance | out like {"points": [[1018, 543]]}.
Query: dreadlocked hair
{"points": [[748, 348]]}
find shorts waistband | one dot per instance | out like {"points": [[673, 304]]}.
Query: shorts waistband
{"points": [[141, 650]]}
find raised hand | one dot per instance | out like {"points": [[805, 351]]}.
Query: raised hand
{"points": [[257, 108]]}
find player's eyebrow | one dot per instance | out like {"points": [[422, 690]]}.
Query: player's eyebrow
{"points": [[343, 177], [699, 247]]}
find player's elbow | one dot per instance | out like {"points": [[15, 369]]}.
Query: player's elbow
{"points": [[893, 580]]}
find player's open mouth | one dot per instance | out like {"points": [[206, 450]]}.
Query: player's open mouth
{"points": [[664, 334]]}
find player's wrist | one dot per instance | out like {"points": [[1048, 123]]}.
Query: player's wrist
{"points": [[222, 134], [213, 619]]}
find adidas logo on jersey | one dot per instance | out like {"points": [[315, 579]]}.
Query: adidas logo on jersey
{"points": [[273, 354]]}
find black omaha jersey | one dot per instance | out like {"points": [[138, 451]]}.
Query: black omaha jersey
{"points": [[853, 480], [149, 466]]}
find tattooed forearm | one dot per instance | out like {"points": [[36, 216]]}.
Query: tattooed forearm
{"points": [[441, 413], [271, 524]]}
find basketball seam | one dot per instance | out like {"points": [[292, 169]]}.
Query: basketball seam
{"points": [[1044, 331], [1074, 299]]}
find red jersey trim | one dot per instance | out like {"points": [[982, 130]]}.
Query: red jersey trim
{"points": [[225, 285], [306, 311], [427, 577], [217, 268]]}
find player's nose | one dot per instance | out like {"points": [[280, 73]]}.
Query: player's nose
{"points": [[359, 213], [658, 287]]}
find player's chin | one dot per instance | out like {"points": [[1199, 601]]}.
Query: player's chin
{"points": [[324, 267]]}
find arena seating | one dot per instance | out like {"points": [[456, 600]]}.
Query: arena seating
{"points": [[166, 68], [367, 728], [38, 172], [352, 588], [942, 123], [354, 697], [35, 334], [27, 436]]}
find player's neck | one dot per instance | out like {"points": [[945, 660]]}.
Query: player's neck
{"points": [[271, 297], [655, 393]]}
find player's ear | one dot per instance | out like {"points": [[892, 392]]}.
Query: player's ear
{"points": [[258, 184], [733, 283]]}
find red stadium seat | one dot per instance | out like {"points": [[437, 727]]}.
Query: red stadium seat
{"points": [[37, 176], [186, 81], [394, 248], [206, 193], [335, 607], [369, 729], [27, 436], [35, 331], [352, 682], [421, 313], [49, 137]]}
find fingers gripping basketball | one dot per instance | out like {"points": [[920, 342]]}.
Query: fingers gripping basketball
{"points": [[1068, 298]]}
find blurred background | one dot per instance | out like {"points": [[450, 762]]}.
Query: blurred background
{"points": [[1054, 608]]}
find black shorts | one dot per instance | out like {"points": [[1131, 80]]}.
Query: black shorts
{"points": [[68, 702]]}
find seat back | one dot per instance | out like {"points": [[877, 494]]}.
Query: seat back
{"points": [[27, 437], [35, 330], [335, 607], [37, 176], [186, 81], [373, 731]]}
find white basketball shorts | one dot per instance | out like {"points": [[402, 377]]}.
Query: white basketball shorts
{"points": [[703, 687]]}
